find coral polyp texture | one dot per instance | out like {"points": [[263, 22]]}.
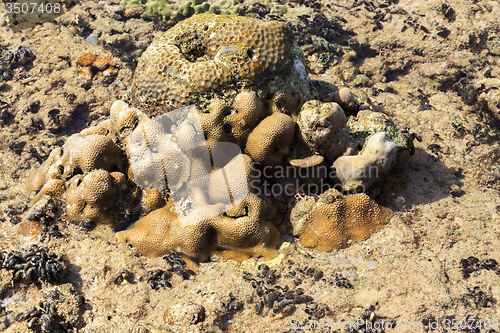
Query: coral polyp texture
{"points": [[335, 219], [220, 133], [247, 228], [89, 173], [206, 53]]}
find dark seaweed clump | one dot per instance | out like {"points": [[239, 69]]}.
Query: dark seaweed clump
{"points": [[283, 300], [46, 217], [159, 278], [473, 264], [35, 264], [476, 298], [10, 60], [46, 317]]}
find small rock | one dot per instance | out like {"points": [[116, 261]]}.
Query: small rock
{"points": [[134, 11], [92, 40], [456, 191], [184, 314]]}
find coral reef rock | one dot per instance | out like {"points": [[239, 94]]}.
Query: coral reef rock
{"points": [[220, 130]]}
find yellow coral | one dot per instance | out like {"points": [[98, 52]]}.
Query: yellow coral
{"points": [[232, 122]]}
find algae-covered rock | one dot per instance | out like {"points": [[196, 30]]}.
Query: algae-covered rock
{"points": [[163, 9], [322, 127]]}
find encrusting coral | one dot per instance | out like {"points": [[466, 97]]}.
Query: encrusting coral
{"points": [[335, 219], [247, 228], [215, 103]]}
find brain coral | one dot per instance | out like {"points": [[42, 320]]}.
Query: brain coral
{"points": [[248, 228], [215, 103], [100, 196], [89, 172], [206, 53]]}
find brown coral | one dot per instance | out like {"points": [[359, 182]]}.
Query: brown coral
{"points": [[93, 66], [124, 118], [270, 141], [248, 80], [230, 184], [247, 228], [155, 159], [89, 172], [86, 59], [336, 219], [84, 153], [232, 122], [160, 232], [101, 196], [247, 110]]}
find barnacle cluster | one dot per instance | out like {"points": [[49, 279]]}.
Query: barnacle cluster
{"points": [[220, 111]]}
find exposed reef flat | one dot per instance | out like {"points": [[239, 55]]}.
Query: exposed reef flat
{"points": [[430, 67]]}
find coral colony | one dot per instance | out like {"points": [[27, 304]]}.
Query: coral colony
{"points": [[220, 133]]}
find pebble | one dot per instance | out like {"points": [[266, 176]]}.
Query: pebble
{"points": [[184, 314], [92, 40]]}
